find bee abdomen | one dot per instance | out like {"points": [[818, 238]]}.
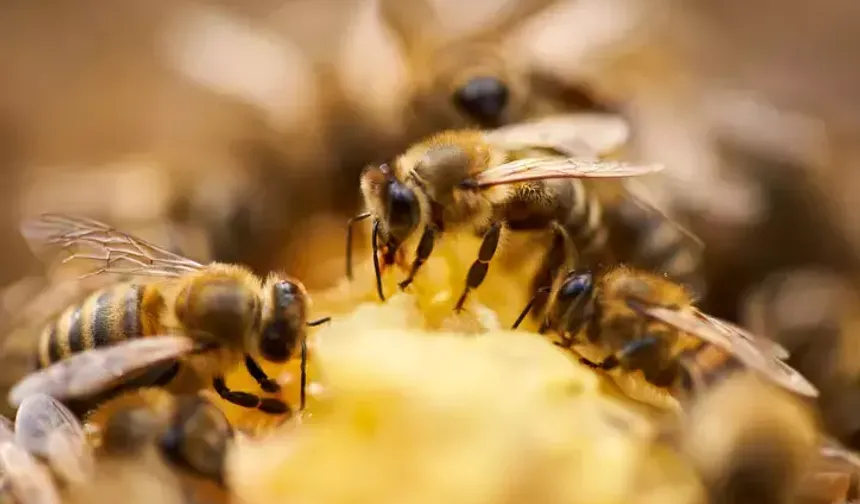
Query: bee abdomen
{"points": [[104, 318], [584, 224], [650, 241]]}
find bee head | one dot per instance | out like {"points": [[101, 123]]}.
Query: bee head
{"points": [[484, 99], [283, 320], [391, 201]]}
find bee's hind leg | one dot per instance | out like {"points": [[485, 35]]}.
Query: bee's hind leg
{"points": [[260, 376], [629, 350], [248, 400], [479, 268]]}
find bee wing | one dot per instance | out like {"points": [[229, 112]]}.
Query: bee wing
{"points": [[38, 418], [7, 430], [765, 345], [93, 371], [638, 196], [740, 347], [95, 247], [44, 427], [572, 135], [527, 169], [29, 481]]}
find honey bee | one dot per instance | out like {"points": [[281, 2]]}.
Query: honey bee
{"points": [[649, 323], [189, 431], [172, 313], [488, 182], [470, 79], [751, 443]]}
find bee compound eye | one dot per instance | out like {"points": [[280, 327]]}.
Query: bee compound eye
{"points": [[575, 286], [483, 98], [275, 343]]}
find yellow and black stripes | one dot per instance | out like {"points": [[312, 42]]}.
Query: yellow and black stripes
{"points": [[106, 317]]}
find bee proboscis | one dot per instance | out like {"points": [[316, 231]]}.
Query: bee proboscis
{"points": [[649, 323], [167, 312]]}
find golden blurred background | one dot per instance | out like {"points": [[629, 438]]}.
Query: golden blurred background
{"points": [[236, 131]]}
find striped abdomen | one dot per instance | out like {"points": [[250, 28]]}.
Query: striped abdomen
{"points": [[106, 317], [651, 241], [584, 223]]}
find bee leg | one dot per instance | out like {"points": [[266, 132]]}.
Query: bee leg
{"points": [[425, 248], [260, 376], [630, 349], [374, 240], [479, 268], [304, 375], [530, 305], [358, 218], [303, 367], [247, 400]]}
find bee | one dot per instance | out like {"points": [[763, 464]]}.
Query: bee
{"points": [[154, 445], [171, 313], [650, 324], [812, 312], [490, 182], [751, 443], [469, 79], [189, 431]]}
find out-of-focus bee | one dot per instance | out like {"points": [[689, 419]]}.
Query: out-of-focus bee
{"points": [[750, 442], [189, 432], [471, 79], [154, 447], [44, 453], [173, 313], [813, 313], [518, 178], [649, 323]]}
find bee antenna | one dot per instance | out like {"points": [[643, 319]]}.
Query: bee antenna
{"points": [[358, 218], [530, 305]]}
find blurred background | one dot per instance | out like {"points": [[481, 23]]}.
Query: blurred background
{"points": [[236, 131]]}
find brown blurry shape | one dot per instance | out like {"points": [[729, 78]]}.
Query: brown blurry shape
{"points": [[750, 442]]}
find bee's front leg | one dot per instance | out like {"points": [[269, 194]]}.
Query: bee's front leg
{"points": [[248, 400], [260, 376], [479, 268], [629, 350], [425, 248]]}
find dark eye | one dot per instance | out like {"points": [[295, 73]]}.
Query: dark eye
{"points": [[275, 342], [484, 99], [575, 285], [402, 208]]}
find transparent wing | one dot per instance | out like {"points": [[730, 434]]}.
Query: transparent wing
{"points": [[550, 167], [765, 345], [740, 347], [41, 416], [7, 430], [638, 195], [98, 248], [93, 371], [29, 481], [571, 135]]}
